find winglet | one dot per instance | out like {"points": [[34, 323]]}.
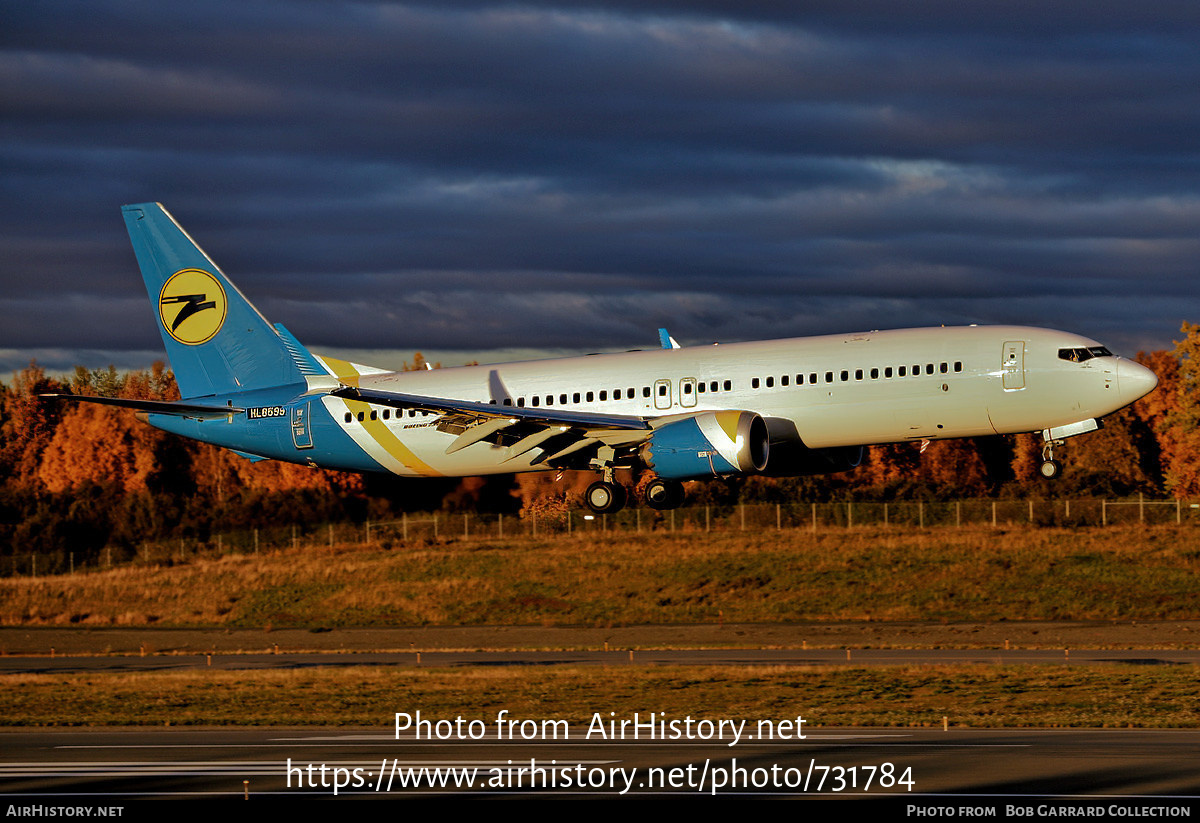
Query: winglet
{"points": [[666, 340]]}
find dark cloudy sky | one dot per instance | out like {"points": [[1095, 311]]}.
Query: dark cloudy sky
{"points": [[479, 180]]}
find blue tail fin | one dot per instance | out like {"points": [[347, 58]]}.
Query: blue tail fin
{"points": [[216, 340]]}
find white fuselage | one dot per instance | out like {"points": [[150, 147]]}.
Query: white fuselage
{"points": [[829, 391]]}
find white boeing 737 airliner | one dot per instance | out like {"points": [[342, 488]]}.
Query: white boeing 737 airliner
{"points": [[779, 407]]}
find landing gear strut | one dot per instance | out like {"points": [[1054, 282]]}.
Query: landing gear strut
{"points": [[663, 494], [1050, 467]]}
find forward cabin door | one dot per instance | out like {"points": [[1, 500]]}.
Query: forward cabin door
{"points": [[1013, 364]]}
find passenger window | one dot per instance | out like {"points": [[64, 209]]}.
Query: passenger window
{"points": [[604, 395], [387, 414], [590, 397], [828, 377], [712, 386], [783, 381], [361, 417], [770, 382], [535, 400], [575, 397], [549, 400], [701, 387], [754, 383], [874, 374], [858, 374], [812, 378], [521, 402], [929, 368], [845, 375], [903, 371], [645, 391], [728, 385], [957, 365], [349, 417], [944, 367], [616, 394], [562, 400]]}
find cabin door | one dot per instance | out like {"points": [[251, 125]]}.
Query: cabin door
{"points": [[1013, 364]]}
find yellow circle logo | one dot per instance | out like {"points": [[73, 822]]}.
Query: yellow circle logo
{"points": [[192, 306]]}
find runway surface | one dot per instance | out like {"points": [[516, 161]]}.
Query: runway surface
{"points": [[964, 767], [684, 657]]}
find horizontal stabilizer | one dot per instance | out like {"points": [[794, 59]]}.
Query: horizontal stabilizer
{"points": [[177, 407]]}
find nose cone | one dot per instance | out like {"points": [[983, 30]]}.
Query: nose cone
{"points": [[1134, 381]]}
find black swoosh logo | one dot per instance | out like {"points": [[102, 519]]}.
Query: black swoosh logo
{"points": [[192, 305]]}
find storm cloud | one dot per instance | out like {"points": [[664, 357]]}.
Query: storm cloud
{"points": [[479, 178]]}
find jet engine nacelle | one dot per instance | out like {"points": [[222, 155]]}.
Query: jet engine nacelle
{"points": [[708, 444], [792, 459]]}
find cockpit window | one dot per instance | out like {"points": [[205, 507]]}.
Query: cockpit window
{"points": [[1078, 355]]}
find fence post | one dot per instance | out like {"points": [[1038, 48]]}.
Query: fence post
{"points": [[1031, 510], [993, 514], [637, 519], [742, 510], [921, 514], [331, 535], [534, 524], [466, 529], [368, 526], [256, 541], [435, 525], [778, 518], [706, 522], [814, 518], [849, 515], [672, 519], [1178, 513], [1067, 511], [404, 525], [1141, 507], [1103, 512], [501, 521], [885, 514], [958, 514], [293, 535]]}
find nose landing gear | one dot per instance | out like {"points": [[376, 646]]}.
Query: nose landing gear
{"points": [[1050, 467]]}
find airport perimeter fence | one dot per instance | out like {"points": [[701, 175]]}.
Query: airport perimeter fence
{"points": [[421, 529]]}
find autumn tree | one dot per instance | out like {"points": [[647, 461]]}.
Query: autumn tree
{"points": [[1179, 430]]}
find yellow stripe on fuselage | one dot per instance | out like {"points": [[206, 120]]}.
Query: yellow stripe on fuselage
{"points": [[389, 442], [343, 370]]}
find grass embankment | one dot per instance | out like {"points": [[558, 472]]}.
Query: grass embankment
{"points": [[969, 574], [977, 696]]}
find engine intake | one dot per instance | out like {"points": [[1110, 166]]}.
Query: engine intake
{"points": [[707, 445]]}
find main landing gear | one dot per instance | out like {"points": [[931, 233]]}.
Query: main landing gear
{"points": [[607, 496], [663, 494], [1050, 467]]}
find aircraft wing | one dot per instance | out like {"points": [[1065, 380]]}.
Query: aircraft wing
{"points": [[176, 407], [559, 432], [548, 415]]}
